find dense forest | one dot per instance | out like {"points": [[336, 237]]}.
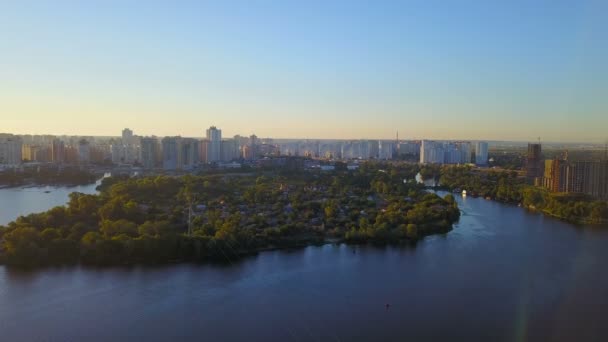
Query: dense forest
{"points": [[221, 216]]}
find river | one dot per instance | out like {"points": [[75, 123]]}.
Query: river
{"points": [[34, 199], [502, 274]]}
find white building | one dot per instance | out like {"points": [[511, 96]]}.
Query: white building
{"points": [[171, 156], [385, 150], [229, 150], [214, 151], [127, 137], [411, 148], [431, 152], [481, 153], [435, 152], [149, 152], [355, 150]]}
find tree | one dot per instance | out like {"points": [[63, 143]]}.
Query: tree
{"points": [[112, 228], [411, 231]]}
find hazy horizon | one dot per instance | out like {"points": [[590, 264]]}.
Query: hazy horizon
{"points": [[202, 136], [315, 70]]}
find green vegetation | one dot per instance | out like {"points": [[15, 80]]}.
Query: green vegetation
{"points": [[47, 176], [506, 186], [145, 220]]}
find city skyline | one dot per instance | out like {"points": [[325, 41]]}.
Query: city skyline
{"points": [[345, 70]]}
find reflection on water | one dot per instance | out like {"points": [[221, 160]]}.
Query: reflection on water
{"points": [[501, 274]]}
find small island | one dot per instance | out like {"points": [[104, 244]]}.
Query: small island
{"points": [[194, 218]]}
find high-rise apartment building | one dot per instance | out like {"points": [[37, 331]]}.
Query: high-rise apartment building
{"points": [[11, 149], [84, 151], [583, 177], [481, 153], [127, 137], [229, 150], [385, 150], [214, 151], [149, 152], [436, 152], [534, 162], [189, 152], [409, 148], [203, 151], [555, 175], [171, 153], [58, 153]]}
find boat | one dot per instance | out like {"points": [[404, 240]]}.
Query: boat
{"points": [[47, 192], [464, 192]]}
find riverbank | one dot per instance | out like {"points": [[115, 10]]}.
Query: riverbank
{"points": [[508, 187], [47, 176], [40, 185]]}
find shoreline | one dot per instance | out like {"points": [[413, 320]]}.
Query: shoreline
{"points": [[41, 185], [236, 257], [576, 221]]}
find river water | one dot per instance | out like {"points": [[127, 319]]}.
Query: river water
{"points": [[502, 274], [26, 200]]}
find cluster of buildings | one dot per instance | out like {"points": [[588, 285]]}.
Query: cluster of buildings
{"points": [[459, 152], [14, 150], [589, 177], [182, 153]]}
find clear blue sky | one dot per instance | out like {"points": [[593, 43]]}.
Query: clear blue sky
{"points": [[508, 70]]}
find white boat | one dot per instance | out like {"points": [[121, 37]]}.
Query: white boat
{"points": [[464, 192]]}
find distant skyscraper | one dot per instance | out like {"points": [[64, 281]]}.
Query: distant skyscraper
{"points": [[409, 148], [84, 151], [229, 150], [11, 150], [203, 151], [555, 175], [465, 152], [588, 177], [481, 153], [431, 152], [171, 147], [385, 150], [127, 137], [214, 151], [534, 167], [57, 151], [149, 152], [253, 150], [374, 148], [189, 151], [436, 152]]}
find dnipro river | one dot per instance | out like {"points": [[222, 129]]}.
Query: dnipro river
{"points": [[502, 274], [26, 200]]}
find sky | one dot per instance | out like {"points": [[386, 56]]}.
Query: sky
{"points": [[489, 70]]}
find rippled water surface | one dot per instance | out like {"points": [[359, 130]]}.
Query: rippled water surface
{"points": [[501, 275]]}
